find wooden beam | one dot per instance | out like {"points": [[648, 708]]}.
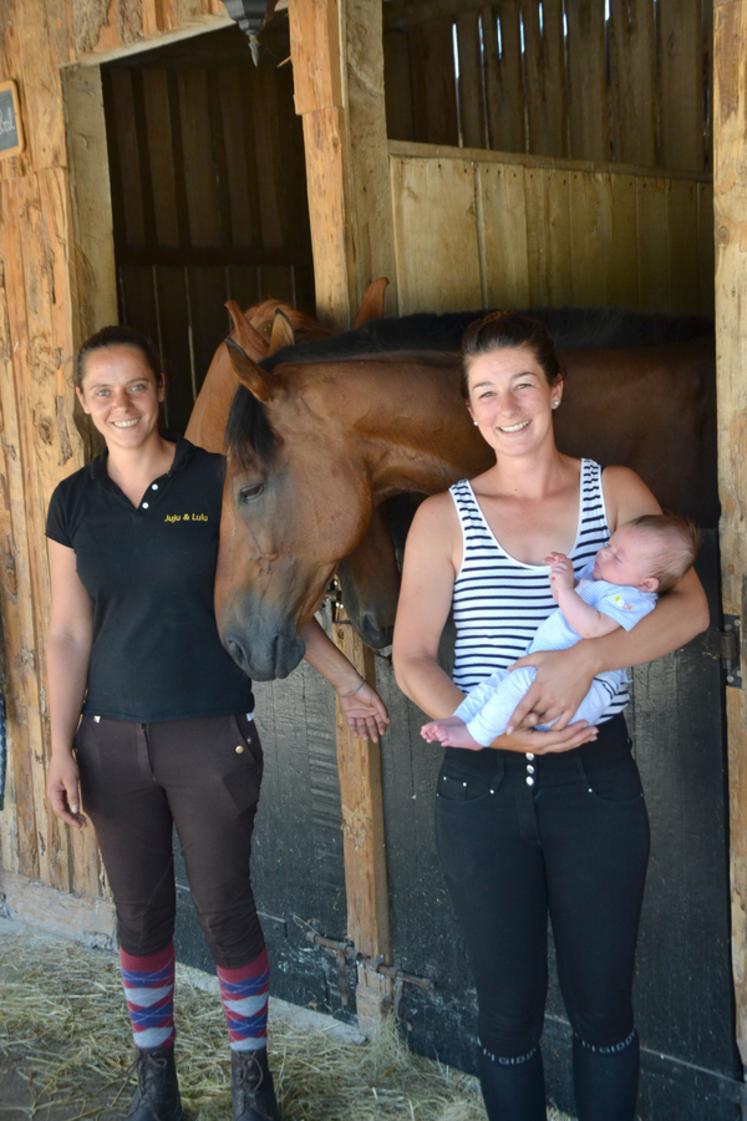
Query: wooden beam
{"points": [[338, 73], [730, 203]]}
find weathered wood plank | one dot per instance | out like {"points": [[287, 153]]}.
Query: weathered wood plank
{"points": [[682, 78], [654, 279], [359, 766], [545, 77], [470, 88], [622, 285], [730, 198], [397, 86], [434, 82], [682, 226], [202, 202], [163, 168], [591, 255], [504, 82], [548, 236], [503, 235], [435, 231], [633, 68], [588, 110]]}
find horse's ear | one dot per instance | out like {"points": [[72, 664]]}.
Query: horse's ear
{"points": [[372, 304], [247, 335], [282, 332], [259, 383]]}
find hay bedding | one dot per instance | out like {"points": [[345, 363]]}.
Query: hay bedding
{"points": [[64, 1032]]}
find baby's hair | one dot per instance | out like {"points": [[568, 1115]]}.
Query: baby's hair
{"points": [[677, 541]]}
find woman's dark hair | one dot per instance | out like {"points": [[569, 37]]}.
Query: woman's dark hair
{"points": [[503, 329], [117, 336]]}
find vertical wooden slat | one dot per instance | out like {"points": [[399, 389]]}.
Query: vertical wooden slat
{"points": [[622, 285], [591, 258], [730, 196], [397, 86], [359, 767], [653, 244], [471, 101], [705, 249], [504, 85], [338, 50], [548, 236], [503, 235], [587, 81], [682, 76], [123, 143], [174, 328], [435, 231], [707, 33], [197, 172], [243, 199], [545, 77], [161, 157], [22, 690], [682, 221], [433, 82], [271, 176], [633, 69]]}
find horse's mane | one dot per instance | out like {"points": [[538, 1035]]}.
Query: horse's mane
{"points": [[569, 327], [249, 432]]}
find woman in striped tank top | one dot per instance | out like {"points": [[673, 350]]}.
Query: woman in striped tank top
{"points": [[542, 822]]}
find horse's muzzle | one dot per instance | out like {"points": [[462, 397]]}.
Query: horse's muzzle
{"points": [[264, 661]]}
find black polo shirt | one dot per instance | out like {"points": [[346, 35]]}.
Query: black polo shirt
{"points": [[149, 572]]}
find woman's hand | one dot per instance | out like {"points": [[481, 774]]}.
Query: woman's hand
{"points": [[563, 680], [63, 789], [364, 711], [547, 743]]}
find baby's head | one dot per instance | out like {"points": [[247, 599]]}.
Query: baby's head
{"points": [[649, 553]]}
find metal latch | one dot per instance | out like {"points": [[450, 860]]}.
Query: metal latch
{"points": [[731, 651], [345, 951]]}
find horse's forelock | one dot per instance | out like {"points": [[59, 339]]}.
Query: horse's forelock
{"points": [[249, 434]]}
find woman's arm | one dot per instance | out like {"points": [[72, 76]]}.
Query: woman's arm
{"points": [[432, 557], [428, 575], [362, 706], [68, 651], [563, 677]]}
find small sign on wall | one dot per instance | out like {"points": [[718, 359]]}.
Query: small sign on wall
{"points": [[11, 131]]}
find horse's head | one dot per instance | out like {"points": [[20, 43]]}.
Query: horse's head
{"points": [[296, 499]]}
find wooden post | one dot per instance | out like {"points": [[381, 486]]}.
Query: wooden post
{"points": [[338, 73], [730, 202]]}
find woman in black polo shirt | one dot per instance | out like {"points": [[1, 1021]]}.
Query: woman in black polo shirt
{"points": [[166, 735]]}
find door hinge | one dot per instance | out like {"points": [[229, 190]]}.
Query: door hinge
{"points": [[731, 651]]}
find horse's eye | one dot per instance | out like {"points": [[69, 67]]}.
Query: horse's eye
{"points": [[247, 493]]}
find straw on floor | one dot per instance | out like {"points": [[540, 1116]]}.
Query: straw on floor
{"points": [[64, 1031]]}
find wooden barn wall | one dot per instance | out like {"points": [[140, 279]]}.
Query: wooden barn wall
{"points": [[630, 85], [208, 194], [477, 229], [43, 315]]}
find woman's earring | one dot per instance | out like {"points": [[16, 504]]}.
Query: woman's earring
{"points": [[555, 404], [475, 423]]}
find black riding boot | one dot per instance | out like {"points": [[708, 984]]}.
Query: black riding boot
{"points": [[252, 1089], [157, 1095]]}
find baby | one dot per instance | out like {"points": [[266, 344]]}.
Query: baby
{"points": [[643, 558]]}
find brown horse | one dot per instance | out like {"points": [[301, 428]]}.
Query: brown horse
{"points": [[369, 578], [323, 434]]}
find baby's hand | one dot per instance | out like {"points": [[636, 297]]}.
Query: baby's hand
{"points": [[561, 572]]}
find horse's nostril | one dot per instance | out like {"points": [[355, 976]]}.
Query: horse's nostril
{"points": [[236, 650]]}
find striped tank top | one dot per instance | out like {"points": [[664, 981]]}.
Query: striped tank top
{"points": [[499, 602]]}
